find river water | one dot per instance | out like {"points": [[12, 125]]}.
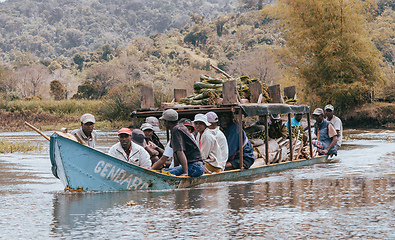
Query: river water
{"points": [[353, 197]]}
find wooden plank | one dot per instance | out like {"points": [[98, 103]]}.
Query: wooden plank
{"points": [[290, 92], [179, 93], [275, 94], [255, 90], [147, 97], [229, 92]]}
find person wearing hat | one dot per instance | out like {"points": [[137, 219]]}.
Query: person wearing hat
{"points": [[208, 145], [231, 132], [131, 151], [277, 128], [212, 118], [87, 133], [326, 134], [184, 147], [337, 123], [155, 127], [188, 123], [154, 151]]}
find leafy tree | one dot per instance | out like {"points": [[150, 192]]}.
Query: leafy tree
{"points": [[79, 59], [87, 90], [58, 92], [329, 48], [54, 65]]}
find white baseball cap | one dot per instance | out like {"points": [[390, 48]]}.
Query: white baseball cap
{"points": [[212, 117], [201, 118], [329, 107], [169, 115], [87, 117], [318, 111], [146, 126]]}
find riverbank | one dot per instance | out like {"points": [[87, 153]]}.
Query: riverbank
{"points": [[370, 115]]}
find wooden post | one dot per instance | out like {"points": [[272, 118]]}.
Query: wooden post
{"points": [[179, 93], [147, 97], [241, 139], [255, 90], [275, 94], [310, 143], [290, 138], [229, 92], [290, 92], [267, 139]]}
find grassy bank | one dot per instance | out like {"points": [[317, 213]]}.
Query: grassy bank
{"points": [[52, 115]]}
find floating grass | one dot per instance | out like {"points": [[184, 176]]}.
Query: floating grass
{"points": [[10, 147]]}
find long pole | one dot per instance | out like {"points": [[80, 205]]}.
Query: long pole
{"points": [[35, 129], [310, 143], [241, 139], [291, 157], [267, 140]]}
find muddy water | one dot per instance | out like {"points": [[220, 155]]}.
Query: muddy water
{"points": [[351, 197]]}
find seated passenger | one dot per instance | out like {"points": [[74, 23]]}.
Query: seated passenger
{"points": [[326, 134], [295, 121], [129, 151], [155, 124], [184, 147], [212, 118], [231, 132], [276, 127], [87, 133], [188, 123], [208, 145], [154, 151]]}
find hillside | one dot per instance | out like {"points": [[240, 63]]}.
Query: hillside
{"points": [[49, 29]]}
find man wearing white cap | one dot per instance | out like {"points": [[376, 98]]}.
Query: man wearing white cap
{"points": [[208, 145], [184, 147], [212, 118], [326, 134], [337, 123], [87, 133]]}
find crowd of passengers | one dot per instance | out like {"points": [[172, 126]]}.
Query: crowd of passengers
{"points": [[196, 147]]}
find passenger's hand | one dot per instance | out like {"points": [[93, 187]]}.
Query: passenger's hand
{"points": [[184, 174], [324, 152]]}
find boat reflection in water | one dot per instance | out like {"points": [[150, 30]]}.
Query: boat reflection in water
{"points": [[230, 208]]}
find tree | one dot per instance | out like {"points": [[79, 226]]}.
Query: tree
{"points": [[87, 90], [329, 48], [33, 78], [58, 92]]}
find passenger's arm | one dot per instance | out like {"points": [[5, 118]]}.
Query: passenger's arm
{"points": [[333, 143], [159, 164], [183, 161]]}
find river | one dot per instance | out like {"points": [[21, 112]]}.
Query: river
{"points": [[352, 197]]}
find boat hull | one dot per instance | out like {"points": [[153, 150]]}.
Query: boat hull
{"points": [[84, 168]]}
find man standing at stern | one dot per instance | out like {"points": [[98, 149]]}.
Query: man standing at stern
{"points": [[86, 133]]}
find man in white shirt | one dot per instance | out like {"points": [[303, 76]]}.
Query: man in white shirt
{"points": [[212, 118], [129, 151], [86, 133], [337, 123], [208, 145]]}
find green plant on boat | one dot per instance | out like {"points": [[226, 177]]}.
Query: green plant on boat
{"points": [[10, 147]]}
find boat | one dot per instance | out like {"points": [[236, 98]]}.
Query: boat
{"points": [[83, 168]]}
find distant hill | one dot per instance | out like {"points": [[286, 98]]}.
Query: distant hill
{"points": [[52, 28]]}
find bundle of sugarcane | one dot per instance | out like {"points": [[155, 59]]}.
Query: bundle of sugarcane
{"points": [[206, 97], [295, 130]]}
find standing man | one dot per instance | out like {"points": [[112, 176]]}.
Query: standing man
{"points": [[129, 151], [87, 133], [184, 147], [326, 134], [212, 118], [208, 145], [337, 123]]}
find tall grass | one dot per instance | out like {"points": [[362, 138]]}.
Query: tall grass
{"points": [[10, 147], [60, 108]]}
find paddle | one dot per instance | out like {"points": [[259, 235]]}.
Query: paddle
{"points": [[35, 129]]}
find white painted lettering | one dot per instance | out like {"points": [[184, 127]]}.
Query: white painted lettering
{"points": [[105, 169], [144, 185], [137, 181], [99, 166], [112, 174], [128, 180], [121, 175]]}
